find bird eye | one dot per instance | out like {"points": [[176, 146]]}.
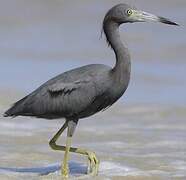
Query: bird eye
{"points": [[129, 12]]}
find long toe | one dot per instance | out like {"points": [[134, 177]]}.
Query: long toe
{"points": [[93, 163]]}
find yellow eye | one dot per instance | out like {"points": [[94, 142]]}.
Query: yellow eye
{"points": [[129, 12]]}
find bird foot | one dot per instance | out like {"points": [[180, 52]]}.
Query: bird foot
{"points": [[93, 163]]}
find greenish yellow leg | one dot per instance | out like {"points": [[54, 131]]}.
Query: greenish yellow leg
{"points": [[52, 142], [65, 169], [93, 160]]}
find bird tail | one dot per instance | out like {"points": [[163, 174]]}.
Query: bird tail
{"points": [[16, 109], [9, 112]]}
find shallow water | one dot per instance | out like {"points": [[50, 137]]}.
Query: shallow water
{"points": [[142, 137], [134, 142]]}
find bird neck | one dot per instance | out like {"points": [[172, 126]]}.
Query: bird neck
{"points": [[123, 64]]}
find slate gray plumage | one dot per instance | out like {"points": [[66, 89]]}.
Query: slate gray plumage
{"points": [[74, 94], [84, 91]]}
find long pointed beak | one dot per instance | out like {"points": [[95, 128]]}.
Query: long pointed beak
{"points": [[144, 16]]}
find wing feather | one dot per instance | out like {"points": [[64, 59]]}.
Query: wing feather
{"points": [[66, 88], [69, 98], [66, 95]]}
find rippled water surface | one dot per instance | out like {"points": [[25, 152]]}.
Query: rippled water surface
{"points": [[141, 137]]}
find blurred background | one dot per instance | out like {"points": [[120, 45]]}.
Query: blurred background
{"points": [[42, 38]]}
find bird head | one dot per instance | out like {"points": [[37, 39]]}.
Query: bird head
{"points": [[123, 13]]}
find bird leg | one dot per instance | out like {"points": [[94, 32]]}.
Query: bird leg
{"points": [[52, 142], [53, 145], [71, 128], [65, 168], [93, 160]]}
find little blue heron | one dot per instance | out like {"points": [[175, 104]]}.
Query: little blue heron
{"points": [[84, 91]]}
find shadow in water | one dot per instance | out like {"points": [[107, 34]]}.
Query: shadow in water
{"points": [[75, 168]]}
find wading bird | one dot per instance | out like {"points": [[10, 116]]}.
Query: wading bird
{"points": [[84, 91]]}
